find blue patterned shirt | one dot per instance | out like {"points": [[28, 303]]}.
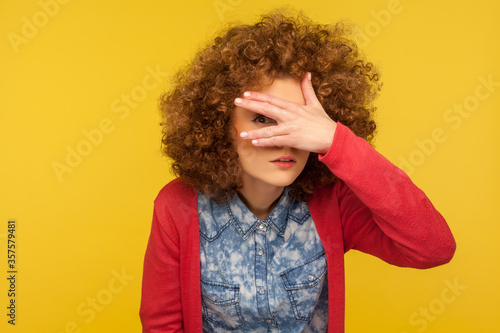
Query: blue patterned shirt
{"points": [[261, 275]]}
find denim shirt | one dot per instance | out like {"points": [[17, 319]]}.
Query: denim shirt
{"points": [[261, 275]]}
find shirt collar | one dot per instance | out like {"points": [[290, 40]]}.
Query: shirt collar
{"points": [[245, 221]]}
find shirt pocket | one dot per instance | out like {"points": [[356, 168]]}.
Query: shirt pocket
{"points": [[304, 284], [221, 304]]}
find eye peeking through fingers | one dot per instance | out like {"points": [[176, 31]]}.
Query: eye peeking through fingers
{"points": [[263, 120]]}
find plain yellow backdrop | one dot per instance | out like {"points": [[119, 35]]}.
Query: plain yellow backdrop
{"points": [[80, 162]]}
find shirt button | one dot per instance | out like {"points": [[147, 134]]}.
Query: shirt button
{"points": [[269, 321], [310, 277], [213, 298], [260, 252], [261, 227], [262, 291]]}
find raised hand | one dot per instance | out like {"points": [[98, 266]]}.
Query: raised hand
{"points": [[306, 127]]}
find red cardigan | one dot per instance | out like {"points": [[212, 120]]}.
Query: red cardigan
{"points": [[375, 209]]}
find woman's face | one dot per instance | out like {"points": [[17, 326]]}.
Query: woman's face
{"points": [[277, 166]]}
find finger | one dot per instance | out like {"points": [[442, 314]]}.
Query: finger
{"points": [[266, 132], [264, 108], [308, 90], [275, 141], [271, 99]]}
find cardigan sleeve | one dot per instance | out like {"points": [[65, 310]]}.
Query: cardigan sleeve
{"points": [[382, 212], [161, 309]]}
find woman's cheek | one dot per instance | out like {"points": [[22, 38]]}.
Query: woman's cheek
{"points": [[246, 151]]}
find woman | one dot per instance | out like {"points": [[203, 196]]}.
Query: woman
{"points": [[269, 132]]}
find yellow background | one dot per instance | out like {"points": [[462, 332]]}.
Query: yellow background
{"points": [[78, 231]]}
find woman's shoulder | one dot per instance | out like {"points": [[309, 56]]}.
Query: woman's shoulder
{"points": [[176, 195]]}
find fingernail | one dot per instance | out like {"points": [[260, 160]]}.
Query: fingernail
{"points": [[246, 94], [309, 76], [238, 100], [255, 141], [243, 134]]}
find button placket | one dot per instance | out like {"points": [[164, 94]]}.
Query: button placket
{"points": [[261, 267]]}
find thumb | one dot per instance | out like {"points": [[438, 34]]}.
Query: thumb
{"points": [[308, 90]]}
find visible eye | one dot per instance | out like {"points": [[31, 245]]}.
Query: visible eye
{"points": [[260, 119]]}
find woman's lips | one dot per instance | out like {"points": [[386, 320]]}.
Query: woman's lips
{"points": [[284, 162]]}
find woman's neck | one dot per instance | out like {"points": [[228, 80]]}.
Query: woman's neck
{"points": [[260, 198]]}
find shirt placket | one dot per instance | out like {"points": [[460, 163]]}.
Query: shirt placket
{"points": [[261, 284]]}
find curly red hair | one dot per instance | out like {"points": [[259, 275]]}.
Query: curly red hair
{"points": [[197, 111]]}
